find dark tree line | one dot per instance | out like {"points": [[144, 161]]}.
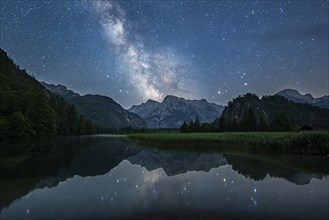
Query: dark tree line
{"points": [[192, 126], [248, 122], [197, 126]]}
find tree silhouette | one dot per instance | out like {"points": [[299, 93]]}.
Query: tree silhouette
{"points": [[248, 121], [262, 125], [184, 128]]}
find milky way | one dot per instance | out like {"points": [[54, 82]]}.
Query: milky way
{"points": [[153, 74], [138, 50]]}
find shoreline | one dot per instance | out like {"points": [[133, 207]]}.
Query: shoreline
{"points": [[305, 143]]}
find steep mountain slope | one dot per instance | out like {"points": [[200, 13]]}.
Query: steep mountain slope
{"points": [[100, 109], [28, 110], [173, 111], [273, 111], [294, 95]]}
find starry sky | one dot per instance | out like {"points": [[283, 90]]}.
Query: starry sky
{"points": [[133, 51]]}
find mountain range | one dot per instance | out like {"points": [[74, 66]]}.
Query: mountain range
{"points": [[173, 111], [102, 110], [60, 117], [294, 95]]}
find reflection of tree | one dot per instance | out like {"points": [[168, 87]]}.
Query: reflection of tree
{"points": [[28, 165], [247, 167], [296, 169]]}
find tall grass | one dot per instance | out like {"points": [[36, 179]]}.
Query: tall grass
{"points": [[310, 142]]}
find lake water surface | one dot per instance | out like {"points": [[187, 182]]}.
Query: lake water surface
{"points": [[102, 177]]}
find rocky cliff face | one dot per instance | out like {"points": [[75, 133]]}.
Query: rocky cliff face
{"points": [[60, 90], [294, 95], [173, 111]]}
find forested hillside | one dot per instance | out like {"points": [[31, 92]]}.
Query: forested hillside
{"points": [[28, 110], [270, 113]]}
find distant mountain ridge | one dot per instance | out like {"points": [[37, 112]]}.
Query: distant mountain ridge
{"points": [[100, 109], [294, 95], [173, 111], [60, 90]]}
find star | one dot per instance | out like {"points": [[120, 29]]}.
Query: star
{"points": [[153, 49]]}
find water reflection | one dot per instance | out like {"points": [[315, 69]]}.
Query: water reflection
{"points": [[179, 162], [104, 177], [37, 164], [294, 168]]}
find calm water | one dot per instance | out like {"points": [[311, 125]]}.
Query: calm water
{"points": [[110, 178]]}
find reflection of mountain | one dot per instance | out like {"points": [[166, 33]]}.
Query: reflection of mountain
{"points": [[290, 168], [98, 160], [46, 163], [174, 163]]}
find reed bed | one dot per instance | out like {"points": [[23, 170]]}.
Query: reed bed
{"points": [[310, 142]]}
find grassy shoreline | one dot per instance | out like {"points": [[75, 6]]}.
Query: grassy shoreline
{"points": [[310, 142]]}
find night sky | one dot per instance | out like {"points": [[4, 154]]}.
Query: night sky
{"points": [[138, 50]]}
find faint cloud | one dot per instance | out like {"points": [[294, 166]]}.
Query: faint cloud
{"points": [[319, 31]]}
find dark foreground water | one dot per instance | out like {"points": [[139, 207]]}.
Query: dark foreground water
{"points": [[110, 178]]}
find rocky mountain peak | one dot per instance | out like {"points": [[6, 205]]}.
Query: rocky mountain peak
{"points": [[60, 90], [309, 95], [150, 102], [290, 92], [173, 111], [171, 98], [294, 95]]}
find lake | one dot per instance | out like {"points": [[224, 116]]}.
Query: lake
{"points": [[108, 177]]}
